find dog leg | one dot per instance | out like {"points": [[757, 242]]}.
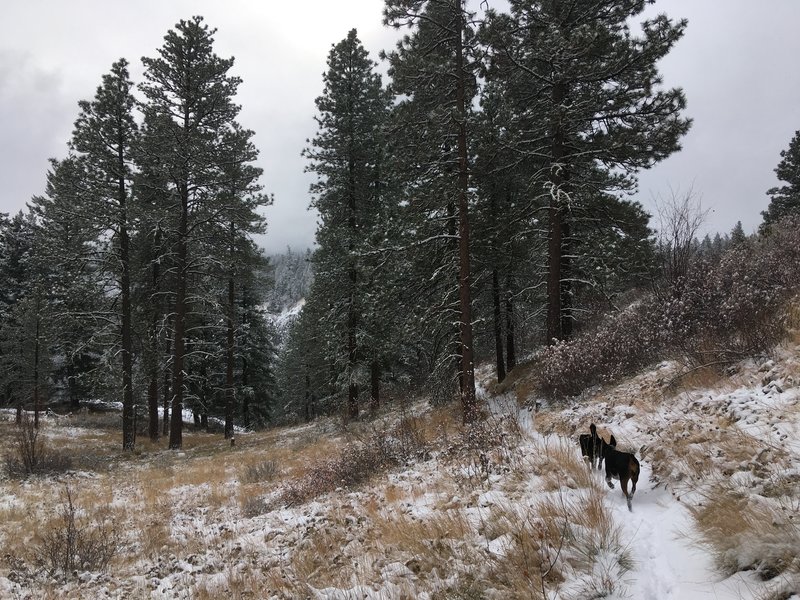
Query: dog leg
{"points": [[609, 482], [624, 484]]}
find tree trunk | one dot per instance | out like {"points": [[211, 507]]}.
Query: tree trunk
{"points": [[554, 233], [167, 395], [36, 399], [152, 389], [375, 386], [309, 398], [352, 314], [245, 397], [498, 327], [152, 405], [566, 278], [128, 425], [230, 392], [74, 399], [452, 232], [511, 352], [468, 398], [176, 422]]}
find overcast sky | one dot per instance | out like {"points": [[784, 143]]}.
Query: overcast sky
{"points": [[737, 65]]}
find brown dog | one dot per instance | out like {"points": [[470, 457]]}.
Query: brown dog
{"points": [[622, 466]]}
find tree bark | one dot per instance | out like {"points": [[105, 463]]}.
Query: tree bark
{"points": [[128, 425], [246, 396], [36, 399], [554, 234], [566, 280], [511, 351], [230, 391], [167, 395], [468, 398], [375, 386], [498, 327], [152, 389], [176, 422]]}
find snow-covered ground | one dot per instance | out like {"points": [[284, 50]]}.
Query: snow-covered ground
{"points": [[517, 516]]}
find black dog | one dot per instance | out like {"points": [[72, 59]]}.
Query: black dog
{"points": [[622, 466], [591, 447]]}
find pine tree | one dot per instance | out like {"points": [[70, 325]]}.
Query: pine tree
{"points": [[584, 91], [433, 72], [346, 156], [785, 200], [738, 235], [16, 246], [153, 243], [241, 199], [104, 136], [74, 291], [189, 95]]}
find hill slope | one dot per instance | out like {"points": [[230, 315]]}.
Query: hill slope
{"points": [[507, 511]]}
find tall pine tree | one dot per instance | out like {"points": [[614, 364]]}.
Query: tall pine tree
{"points": [[189, 99], [433, 73], [585, 90], [346, 156], [785, 200]]}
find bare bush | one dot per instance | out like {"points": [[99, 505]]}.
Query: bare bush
{"points": [[260, 472], [714, 315], [70, 544], [30, 455], [679, 220], [359, 461]]}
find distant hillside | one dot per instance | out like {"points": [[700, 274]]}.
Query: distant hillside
{"points": [[293, 274]]}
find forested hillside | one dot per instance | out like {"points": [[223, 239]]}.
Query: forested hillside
{"points": [[292, 275]]}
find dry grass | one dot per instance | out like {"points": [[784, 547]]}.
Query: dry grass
{"points": [[696, 378], [746, 533]]}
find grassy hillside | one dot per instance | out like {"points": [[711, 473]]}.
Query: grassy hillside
{"points": [[410, 505]]}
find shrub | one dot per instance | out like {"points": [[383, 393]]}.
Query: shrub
{"points": [[716, 314], [30, 454], [258, 472], [359, 461], [70, 544]]}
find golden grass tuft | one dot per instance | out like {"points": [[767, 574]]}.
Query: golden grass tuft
{"points": [[745, 532]]}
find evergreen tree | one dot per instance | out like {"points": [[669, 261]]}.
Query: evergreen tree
{"points": [[153, 243], [584, 91], [785, 200], [241, 199], [433, 73], [346, 155], [74, 293], [189, 95], [105, 133], [738, 235], [16, 250]]}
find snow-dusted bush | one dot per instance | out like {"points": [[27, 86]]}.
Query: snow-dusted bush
{"points": [[359, 461], [622, 344], [73, 543], [30, 455], [716, 314], [746, 532]]}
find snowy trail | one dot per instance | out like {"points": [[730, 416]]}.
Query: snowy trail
{"points": [[668, 563]]}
